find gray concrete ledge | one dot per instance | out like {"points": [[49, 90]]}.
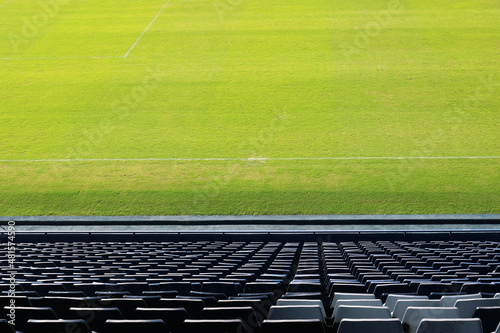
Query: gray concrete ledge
{"points": [[257, 219]]}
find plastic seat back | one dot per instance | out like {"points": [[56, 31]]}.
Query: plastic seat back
{"points": [[392, 299], [356, 302], [338, 296], [370, 325], [403, 304], [300, 302], [461, 325], [490, 317], [467, 307], [448, 301], [360, 312], [134, 326], [293, 326], [296, 312], [414, 315], [56, 325]]}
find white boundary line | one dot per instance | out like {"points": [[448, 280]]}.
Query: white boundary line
{"points": [[54, 58], [260, 159], [5, 3], [147, 28]]}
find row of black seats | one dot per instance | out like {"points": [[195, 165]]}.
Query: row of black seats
{"points": [[134, 281]]}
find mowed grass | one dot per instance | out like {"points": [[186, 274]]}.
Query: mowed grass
{"points": [[249, 79]]}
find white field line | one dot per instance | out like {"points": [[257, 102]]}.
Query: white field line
{"points": [[147, 28], [259, 159], [5, 3], [54, 58], [91, 57]]}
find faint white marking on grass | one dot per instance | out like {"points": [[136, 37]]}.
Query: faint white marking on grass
{"points": [[257, 159], [147, 28], [5, 3], [55, 58]]}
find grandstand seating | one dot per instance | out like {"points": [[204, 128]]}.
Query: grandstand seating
{"points": [[253, 286]]}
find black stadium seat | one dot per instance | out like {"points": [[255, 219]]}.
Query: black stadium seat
{"points": [[23, 314], [214, 326], [94, 317], [173, 317], [293, 326], [56, 326], [5, 327], [198, 285], [134, 326], [127, 306], [194, 307], [490, 317]]}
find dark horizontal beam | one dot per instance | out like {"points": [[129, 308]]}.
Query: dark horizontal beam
{"points": [[282, 236]]}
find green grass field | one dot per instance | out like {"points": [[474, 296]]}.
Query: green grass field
{"points": [[142, 107]]}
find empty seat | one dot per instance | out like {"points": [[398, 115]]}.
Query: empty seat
{"points": [[260, 307], [207, 300], [490, 317], [61, 305], [193, 307], [91, 288], [18, 300], [293, 326], [134, 326], [462, 325], [162, 293], [360, 312], [428, 288], [391, 300], [299, 302], [450, 300], [338, 296], [94, 317], [296, 312], [216, 296], [226, 288], [23, 314], [182, 288], [135, 288], [467, 307], [356, 302], [43, 288], [304, 286], [477, 287], [246, 314], [341, 287], [276, 288], [173, 317], [5, 327], [414, 315], [403, 304], [370, 325], [391, 288], [304, 295], [56, 326], [213, 326], [127, 306], [71, 293], [151, 300]]}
